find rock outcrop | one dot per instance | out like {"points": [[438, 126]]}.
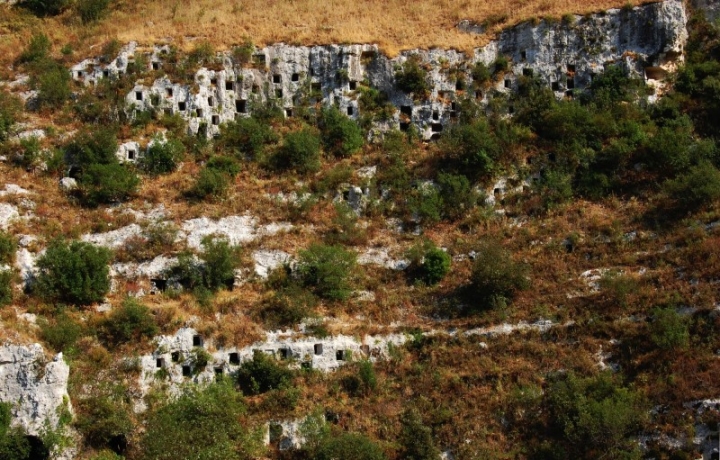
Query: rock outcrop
{"points": [[36, 389], [645, 40]]}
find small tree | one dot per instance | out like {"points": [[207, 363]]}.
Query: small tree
{"points": [[457, 195], [669, 330], [327, 270], [210, 183], [162, 157], [300, 152], [341, 136], [221, 260], [75, 273], [496, 278], [412, 78], [349, 446], [96, 146], [262, 374], [246, 137], [107, 183], [132, 321], [435, 266], [698, 187], [416, 438], [92, 10], [53, 87]]}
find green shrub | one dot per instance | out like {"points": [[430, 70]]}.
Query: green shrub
{"points": [[225, 165], [14, 444], [496, 278], [426, 204], [246, 137], [416, 438], [220, 261], [669, 330], [53, 87], [62, 333], [202, 423], [8, 247], [10, 110], [92, 10], [210, 183], [348, 446], [480, 73], [131, 322], [107, 183], [554, 189], [162, 157], [327, 270], [472, 148], [46, 7], [366, 372], [37, 50], [698, 187], [6, 287], [300, 152], [456, 194], [75, 273], [96, 146], [435, 266], [103, 419], [199, 359], [341, 136], [262, 374], [243, 53], [287, 307], [412, 78]]}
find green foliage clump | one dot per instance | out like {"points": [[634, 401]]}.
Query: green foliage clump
{"points": [[162, 157], [96, 146], [8, 247], [262, 374], [103, 419], [341, 136], [349, 446], [496, 277], [327, 270], [480, 73], [61, 333], [46, 7], [203, 422], [221, 259], [300, 152], [246, 137], [37, 50], [225, 165], [698, 187], [243, 53], [131, 322], [412, 77], [288, 306], [435, 266], [596, 416], [92, 10], [210, 183], [14, 444], [6, 287], [10, 109], [53, 87], [457, 195], [75, 272], [416, 438], [107, 183], [472, 147], [669, 330]]}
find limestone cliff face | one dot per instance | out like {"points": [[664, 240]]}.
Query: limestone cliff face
{"points": [[645, 41], [36, 389]]}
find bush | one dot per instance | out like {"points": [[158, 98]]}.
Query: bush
{"points": [[435, 266], [210, 183], [412, 78], [288, 306], [46, 7], [300, 152], [203, 422], [480, 73], [10, 109], [62, 333], [246, 137], [224, 165], [96, 146], [37, 50], [8, 247], [341, 136], [426, 204], [107, 183], [53, 87], [262, 374], [348, 446], [472, 148], [220, 261], [14, 444], [131, 322], [456, 194], [326, 270], [554, 189], [243, 53], [162, 157], [698, 187], [416, 438], [669, 330], [496, 278], [6, 287], [104, 421], [75, 273], [92, 10]]}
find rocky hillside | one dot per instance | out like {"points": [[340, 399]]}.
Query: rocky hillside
{"points": [[317, 250]]}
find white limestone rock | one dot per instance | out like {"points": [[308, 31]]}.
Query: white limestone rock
{"points": [[268, 260], [114, 239], [8, 214]]}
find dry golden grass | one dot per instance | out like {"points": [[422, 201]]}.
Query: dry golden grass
{"points": [[394, 25]]}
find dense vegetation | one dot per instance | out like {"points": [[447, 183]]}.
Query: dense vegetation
{"points": [[622, 188]]}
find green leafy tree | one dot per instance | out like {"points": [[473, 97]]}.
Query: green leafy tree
{"points": [[202, 423], [496, 277], [210, 183], [130, 322], [300, 152], [246, 137], [349, 446], [107, 183], [96, 146], [162, 157], [53, 87], [327, 270], [104, 419], [456, 194], [341, 136], [698, 187], [416, 438], [62, 333], [412, 77], [472, 148], [435, 266], [220, 261], [74, 272], [262, 374]]}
